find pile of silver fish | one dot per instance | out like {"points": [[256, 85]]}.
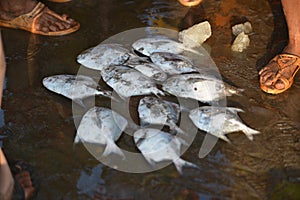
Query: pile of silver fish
{"points": [[153, 68]]}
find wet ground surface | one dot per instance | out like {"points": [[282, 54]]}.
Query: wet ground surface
{"points": [[40, 128]]}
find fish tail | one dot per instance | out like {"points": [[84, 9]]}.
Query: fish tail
{"points": [[231, 90], [220, 135], [177, 129], [104, 93], [249, 132], [111, 147], [180, 163], [223, 137], [80, 102], [158, 92], [76, 139], [235, 110]]}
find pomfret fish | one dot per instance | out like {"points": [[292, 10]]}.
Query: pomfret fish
{"points": [[147, 46], [153, 110], [102, 126], [173, 63], [157, 146], [200, 87], [220, 121], [103, 55], [147, 68], [129, 82], [74, 87]]}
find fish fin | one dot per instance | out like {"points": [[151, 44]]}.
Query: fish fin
{"points": [[230, 90], [76, 139], [123, 97], [240, 91], [249, 132], [235, 110], [173, 126], [79, 102], [111, 147], [223, 137], [116, 99], [103, 93], [158, 92], [180, 163]]}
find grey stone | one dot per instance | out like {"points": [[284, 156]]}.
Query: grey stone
{"points": [[241, 42], [196, 34], [239, 28]]}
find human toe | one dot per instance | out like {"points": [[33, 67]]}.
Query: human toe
{"points": [[279, 84], [267, 77]]}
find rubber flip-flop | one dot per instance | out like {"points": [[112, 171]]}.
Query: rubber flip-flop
{"points": [[278, 66], [27, 21]]}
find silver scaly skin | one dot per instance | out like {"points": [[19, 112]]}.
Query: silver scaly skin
{"points": [[201, 87], [147, 46], [129, 82], [147, 68], [153, 110], [74, 87], [172, 63], [157, 146], [220, 121], [101, 126], [103, 55]]}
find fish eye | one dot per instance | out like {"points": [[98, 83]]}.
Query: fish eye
{"points": [[195, 89]]}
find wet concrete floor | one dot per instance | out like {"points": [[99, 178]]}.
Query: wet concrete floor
{"points": [[40, 127]]}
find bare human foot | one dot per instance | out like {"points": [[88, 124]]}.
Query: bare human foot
{"points": [[35, 18]]}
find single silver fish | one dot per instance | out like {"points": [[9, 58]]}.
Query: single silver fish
{"points": [[147, 68], [153, 110], [220, 121], [102, 126], [74, 87], [157, 146], [201, 87], [103, 55], [129, 82], [173, 63], [147, 46]]}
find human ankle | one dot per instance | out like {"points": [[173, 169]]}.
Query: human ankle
{"points": [[293, 48], [12, 9]]}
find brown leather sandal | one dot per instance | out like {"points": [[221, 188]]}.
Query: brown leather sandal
{"points": [[278, 70], [27, 21], [190, 3]]}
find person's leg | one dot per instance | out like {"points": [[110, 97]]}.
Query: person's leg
{"points": [[46, 22], [274, 76], [6, 179], [291, 9], [13, 8], [22, 176]]}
